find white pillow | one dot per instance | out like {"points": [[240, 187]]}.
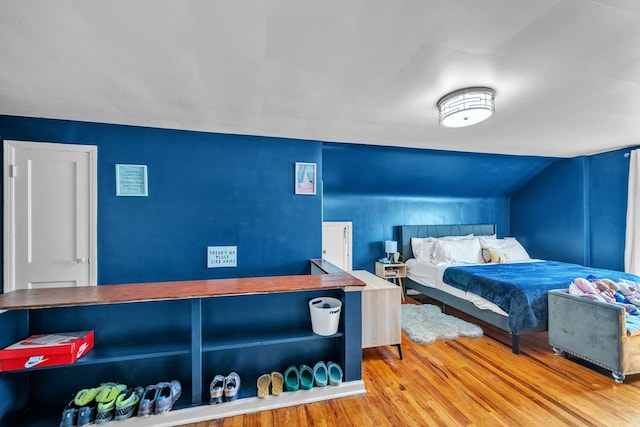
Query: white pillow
{"points": [[422, 247], [465, 251], [510, 247]]}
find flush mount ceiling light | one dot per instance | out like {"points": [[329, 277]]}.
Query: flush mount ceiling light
{"points": [[466, 107]]}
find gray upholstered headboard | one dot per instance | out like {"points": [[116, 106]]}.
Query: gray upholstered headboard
{"points": [[409, 231]]}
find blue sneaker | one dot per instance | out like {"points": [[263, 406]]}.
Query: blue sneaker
{"points": [[148, 401], [69, 415], [168, 394]]}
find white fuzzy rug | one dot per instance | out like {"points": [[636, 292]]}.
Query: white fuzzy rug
{"points": [[426, 323]]}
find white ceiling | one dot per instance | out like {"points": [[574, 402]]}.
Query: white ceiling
{"points": [[566, 72]]}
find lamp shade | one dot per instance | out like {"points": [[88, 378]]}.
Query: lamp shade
{"points": [[390, 246], [466, 107]]}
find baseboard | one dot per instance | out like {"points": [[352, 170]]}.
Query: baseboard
{"points": [[247, 406]]}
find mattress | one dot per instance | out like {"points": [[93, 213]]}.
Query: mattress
{"points": [[428, 274]]}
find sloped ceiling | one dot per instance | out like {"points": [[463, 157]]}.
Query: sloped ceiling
{"points": [[566, 73]]}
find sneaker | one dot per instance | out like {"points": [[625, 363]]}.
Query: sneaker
{"points": [[69, 415], [216, 389], [85, 400], [231, 386], [168, 394], [148, 401], [106, 399], [127, 403]]}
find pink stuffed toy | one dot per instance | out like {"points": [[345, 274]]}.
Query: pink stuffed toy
{"points": [[598, 291]]}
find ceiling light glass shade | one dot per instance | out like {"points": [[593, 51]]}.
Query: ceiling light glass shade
{"points": [[466, 107]]}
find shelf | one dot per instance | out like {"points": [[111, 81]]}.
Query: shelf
{"points": [[121, 353], [262, 338]]}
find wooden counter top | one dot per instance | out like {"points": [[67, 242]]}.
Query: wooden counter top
{"points": [[113, 294]]}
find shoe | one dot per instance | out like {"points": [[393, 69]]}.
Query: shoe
{"points": [[106, 399], [69, 415], [87, 414], [85, 400], [335, 373], [306, 377], [277, 381], [168, 394], [148, 401], [127, 403], [320, 375], [263, 385], [231, 386], [292, 378], [216, 389]]}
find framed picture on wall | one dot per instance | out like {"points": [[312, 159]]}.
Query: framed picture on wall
{"points": [[305, 178], [131, 180]]}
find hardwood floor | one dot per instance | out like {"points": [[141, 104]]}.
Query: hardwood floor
{"points": [[470, 382]]}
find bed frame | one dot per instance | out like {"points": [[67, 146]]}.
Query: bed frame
{"points": [[406, 232]]}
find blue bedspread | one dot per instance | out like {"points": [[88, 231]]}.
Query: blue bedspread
{"points": [[520, 289]]}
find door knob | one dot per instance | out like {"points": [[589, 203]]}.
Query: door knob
{"points": [[81, 260], [324, 251]]}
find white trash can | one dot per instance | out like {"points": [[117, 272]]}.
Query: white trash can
{"points": [[325, 315]]}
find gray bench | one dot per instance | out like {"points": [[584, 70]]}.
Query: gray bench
{"points": [[594, 331]]}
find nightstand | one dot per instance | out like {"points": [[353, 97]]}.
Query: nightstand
{"points": [[394, 271]]}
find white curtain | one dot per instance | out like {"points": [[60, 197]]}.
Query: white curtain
{"points": [[632, 240]]}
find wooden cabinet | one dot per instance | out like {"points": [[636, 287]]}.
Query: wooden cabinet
{"points": [[380, 311]]}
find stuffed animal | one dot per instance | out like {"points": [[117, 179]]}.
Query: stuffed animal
{"points": [[491, 255], [599, 291]]}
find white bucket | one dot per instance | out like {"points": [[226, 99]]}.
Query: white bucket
{"points": [[325, 315]]}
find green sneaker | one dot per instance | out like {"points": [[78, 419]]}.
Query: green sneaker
{"points": [[85, 400], [127, 403], [107, 401]]}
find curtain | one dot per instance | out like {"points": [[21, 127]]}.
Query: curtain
{"points": [[632, 238]]}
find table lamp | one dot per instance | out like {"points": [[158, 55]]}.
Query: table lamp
{"points": [[390, 247]]}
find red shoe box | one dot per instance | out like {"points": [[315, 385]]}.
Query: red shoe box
{"points": [[37, 351]]}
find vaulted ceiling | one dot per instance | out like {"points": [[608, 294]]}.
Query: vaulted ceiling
{"points": [[566, 72]]}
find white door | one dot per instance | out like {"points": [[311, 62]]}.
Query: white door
{"points": [[336, 244], [49, 215]]}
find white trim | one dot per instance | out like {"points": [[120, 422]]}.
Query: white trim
{"points": [[8, 240], [247, 406]]}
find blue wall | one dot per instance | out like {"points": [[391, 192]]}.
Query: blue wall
{"points": [[547, 215], [575, 211], [608, 187], [205, 189], [215, 189], [380, 188]]}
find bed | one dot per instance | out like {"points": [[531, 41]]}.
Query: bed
{"points": [[509, 295]]}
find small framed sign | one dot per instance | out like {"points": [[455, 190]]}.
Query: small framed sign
{"points": [[131, 180], [222, 256]]}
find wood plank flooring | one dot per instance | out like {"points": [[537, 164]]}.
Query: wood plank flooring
{"points": [[468, 382]]}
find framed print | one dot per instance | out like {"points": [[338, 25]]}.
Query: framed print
{"points": [[131, 180], [305, 178]]}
